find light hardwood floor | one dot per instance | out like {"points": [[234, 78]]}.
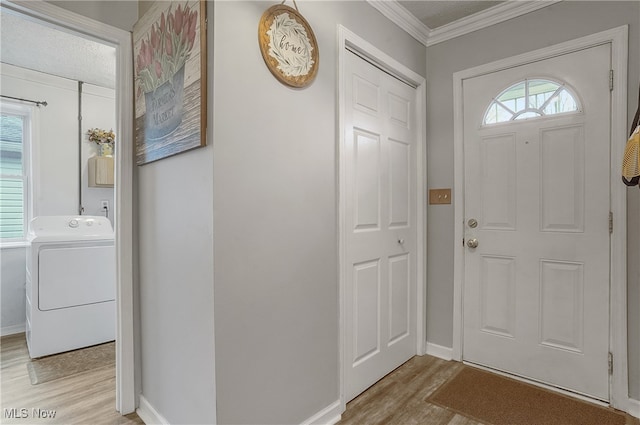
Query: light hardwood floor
{"points": [[89, 397], [400, 397], [85, 398]]}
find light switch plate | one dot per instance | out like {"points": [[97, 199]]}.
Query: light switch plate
{"points": [[439, 196]]}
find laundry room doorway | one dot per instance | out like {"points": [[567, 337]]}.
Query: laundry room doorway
{"points": [[119, 211]]}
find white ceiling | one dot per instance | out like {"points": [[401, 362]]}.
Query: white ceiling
{"points": [[31, 45], [435, 14]]}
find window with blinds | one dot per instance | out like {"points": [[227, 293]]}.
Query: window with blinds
{"points": [[13, 175]]}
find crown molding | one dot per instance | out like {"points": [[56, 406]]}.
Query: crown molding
{"points": [[486, 18], [400, 16]]}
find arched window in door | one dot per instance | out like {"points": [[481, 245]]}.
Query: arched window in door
{"points": [[531, 98]]}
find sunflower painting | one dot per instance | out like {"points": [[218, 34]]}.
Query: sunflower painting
{"points": [[169, 47]]}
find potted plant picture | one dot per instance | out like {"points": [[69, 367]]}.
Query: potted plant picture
{"points": [[168, 64]]}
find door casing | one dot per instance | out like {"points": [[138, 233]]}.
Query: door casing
{"points": [[618, 37], [125, 361], [348, 40]]}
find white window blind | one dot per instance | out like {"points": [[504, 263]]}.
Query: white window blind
{"points": [[13, 174]]}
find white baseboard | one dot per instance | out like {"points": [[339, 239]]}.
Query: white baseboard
{"points": [[328, 416], [439, 351], [633, 408], [13, 329], [149, 414]]}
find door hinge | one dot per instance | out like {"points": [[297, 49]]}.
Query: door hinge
{"points": [[610, 222], [610, 363], [611, 80]]}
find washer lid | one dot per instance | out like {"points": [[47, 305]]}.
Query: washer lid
{"points": [[60, 228]]}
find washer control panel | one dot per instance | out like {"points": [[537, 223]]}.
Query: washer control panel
{"points": [[71, 226], [83, 221]]}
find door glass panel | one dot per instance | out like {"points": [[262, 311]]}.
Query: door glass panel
{"points": [[531, 98], [497, 113], [525, 115], [514, 92], [562, 102]]}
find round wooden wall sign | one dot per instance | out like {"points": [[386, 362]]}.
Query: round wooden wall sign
{"points": [[288, 46]]}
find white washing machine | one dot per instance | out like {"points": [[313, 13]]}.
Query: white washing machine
{"points": [[71, 283]]}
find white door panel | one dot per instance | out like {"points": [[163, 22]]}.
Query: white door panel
{"points": [[380, 231], [536, 289]]}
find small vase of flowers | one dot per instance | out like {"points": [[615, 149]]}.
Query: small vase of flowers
{"points": [[104, 139]]}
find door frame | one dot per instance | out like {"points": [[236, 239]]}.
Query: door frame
{"points": [[121, 40], [618, 38], [350, 42]]}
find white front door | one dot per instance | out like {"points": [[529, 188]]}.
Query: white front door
{"points": [[536, 288], [380, 143]]}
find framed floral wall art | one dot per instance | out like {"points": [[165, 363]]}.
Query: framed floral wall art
{"points": [[169, 47]]}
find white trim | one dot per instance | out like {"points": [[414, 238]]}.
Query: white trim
{"points": [[30, 115], [408, 22], [421, 225], [618, 37], [435, 350], [353, 42], [619, 382], [14, 244], [458, 216], [485, 18], [149, 414], [330, 415], [34, 163], [400, 16], [634, 408], [13, 329], [121, 40]]}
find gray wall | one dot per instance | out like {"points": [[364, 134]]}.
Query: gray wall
{"points": [[174, 216], [551, 25], [12, 290], [275, 215], [175, 242]]}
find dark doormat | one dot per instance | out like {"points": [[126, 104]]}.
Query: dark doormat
{"points": [[497, 400], [58, 366]]}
